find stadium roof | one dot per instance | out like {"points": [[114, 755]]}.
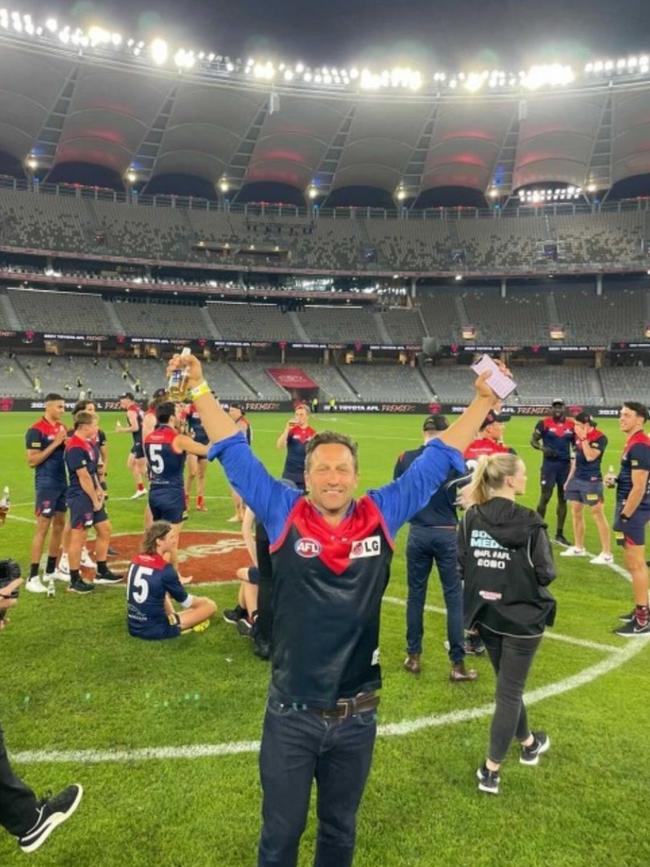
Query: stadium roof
{"points": [[58, 108]]}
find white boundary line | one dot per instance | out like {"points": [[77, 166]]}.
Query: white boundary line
{"points": [[569, 639], [614, 660]]}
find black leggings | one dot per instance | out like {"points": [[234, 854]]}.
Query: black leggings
{"points": [[511, 659], [18, 806]]}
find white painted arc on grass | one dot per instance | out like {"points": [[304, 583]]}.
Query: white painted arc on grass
{"points": [[569, 639], [197, 751]]}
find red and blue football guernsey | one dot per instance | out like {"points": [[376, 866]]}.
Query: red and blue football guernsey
{"points": [[329, 581]]}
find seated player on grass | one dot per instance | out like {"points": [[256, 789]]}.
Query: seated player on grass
{"points": [[152, 584]]}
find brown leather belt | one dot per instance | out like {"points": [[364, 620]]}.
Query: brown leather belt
{"points": [[346, 707]]}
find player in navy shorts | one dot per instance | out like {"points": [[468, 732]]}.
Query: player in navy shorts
{"points": [[633, 512], [136, 462], [45, 443], [554, 436], [294, 438], [153, 582], [85, 500], [165, 450], [584, 487]]}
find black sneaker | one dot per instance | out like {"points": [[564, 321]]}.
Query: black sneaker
{"points": [[80, 586], [488, 781], [51, 813], [108, 578], [561, 539], [628, 618], [530, 755], [633, 629], [245, 627], [234, 615]]}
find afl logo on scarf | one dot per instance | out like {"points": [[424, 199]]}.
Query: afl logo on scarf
{"points": [[307, 548]]}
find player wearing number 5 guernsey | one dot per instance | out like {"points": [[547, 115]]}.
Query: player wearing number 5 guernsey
{"points": [[152, 584], [165, 450]]}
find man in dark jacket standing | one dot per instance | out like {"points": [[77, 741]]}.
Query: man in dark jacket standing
{"points": [[506, 563], [432, 538]]}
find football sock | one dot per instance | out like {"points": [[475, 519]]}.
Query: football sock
{"points": [[33, 570], [641, 613], [140, 486], [102, 568], [74, 576], [50, 566]]}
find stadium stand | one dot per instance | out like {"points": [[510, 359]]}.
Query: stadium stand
{"points": [[61, 312], [403, 326], [625, 383], [520, 318], [257, 379], [339, 324], [148, 319], [543, 383], [511, 241], [443, 316], [71, 375], [618, 314], [394, 382], [329, 381], [448, 383], [252, 322]]}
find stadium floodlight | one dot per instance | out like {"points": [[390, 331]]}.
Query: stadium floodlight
{"points": [[312, 191], [116, 39], [400, 193], [300, 68], [458, 277], [131, 176], [52, 25], [159, 51], [591, 188], [31, 162], [184, 59], [224, 185], [98, 36], [493, 193], [547, 75], [288, 75]]}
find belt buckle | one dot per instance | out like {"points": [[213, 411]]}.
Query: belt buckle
{"points": [[345, 705]]}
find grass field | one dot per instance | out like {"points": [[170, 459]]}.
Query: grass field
{"points": [[73, 680]]}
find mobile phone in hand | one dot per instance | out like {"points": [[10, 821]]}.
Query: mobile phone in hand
{"points": [[500, 384]]}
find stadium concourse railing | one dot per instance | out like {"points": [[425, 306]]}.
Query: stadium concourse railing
{"points": [[260, 209], [16, 404]]}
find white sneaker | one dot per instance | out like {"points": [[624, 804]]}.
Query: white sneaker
{"points": [[63, 569], [35, 585], [602, 559], [138, 494], [572, 551], [86, 560]]}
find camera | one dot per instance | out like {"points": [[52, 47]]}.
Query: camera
{"points": [[9, 571]]}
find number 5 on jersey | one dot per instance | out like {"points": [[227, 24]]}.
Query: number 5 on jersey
{"points": [[137, 586]]}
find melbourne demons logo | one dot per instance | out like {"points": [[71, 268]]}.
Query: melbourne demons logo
{"points": [[369, 547], [307, 548]]}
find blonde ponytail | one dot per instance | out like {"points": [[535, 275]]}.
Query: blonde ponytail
{"points": [[489, 476]]}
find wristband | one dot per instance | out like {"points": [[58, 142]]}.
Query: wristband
{"points": [[199, 390], [624, 518]]}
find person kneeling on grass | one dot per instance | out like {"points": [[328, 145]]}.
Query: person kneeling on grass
{"points": [[152, 583], [506, 562]]}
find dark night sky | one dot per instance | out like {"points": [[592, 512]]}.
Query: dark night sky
{"points": [[446, 34]]}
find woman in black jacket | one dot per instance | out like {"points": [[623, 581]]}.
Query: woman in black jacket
{"points": [[506, 562]]}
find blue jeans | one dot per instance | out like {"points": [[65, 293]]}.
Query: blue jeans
{"points": [[426, 544], [298, 746]]}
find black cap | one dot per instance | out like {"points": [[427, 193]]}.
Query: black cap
{"points": [[557, 402], [586, 418], [491, 417], [435, 422]]}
